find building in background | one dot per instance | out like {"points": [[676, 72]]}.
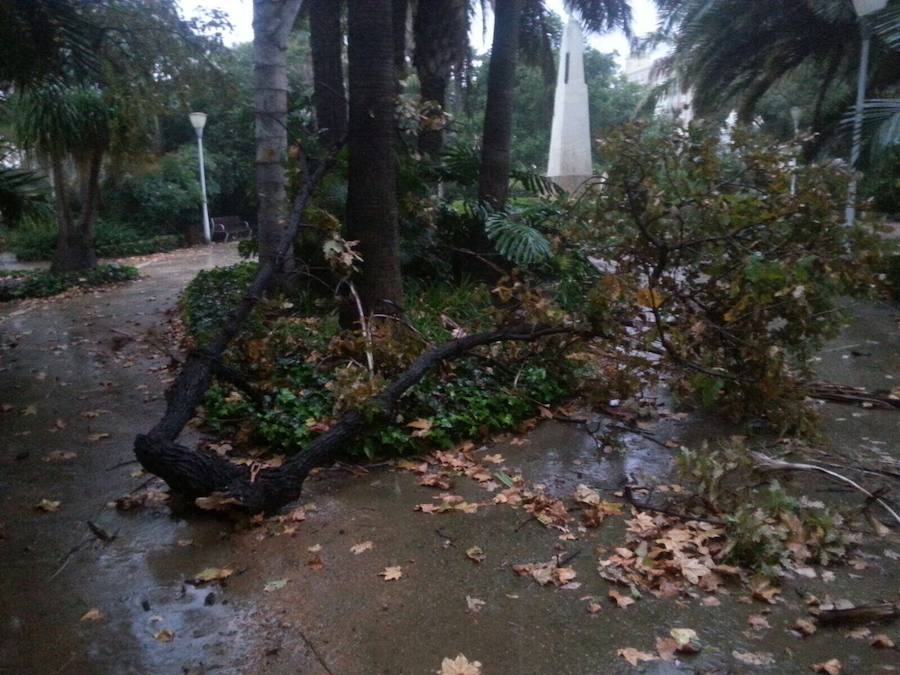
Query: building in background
{"points": [[673, 101]]}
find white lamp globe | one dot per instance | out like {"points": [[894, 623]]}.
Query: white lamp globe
{"points": [[866, 7], [198, 119]]}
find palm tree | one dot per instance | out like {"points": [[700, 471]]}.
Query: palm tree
{"points": [[60, 123], [326, 45], [441, 30], [272, 24], [732, 52], [372, 184]]}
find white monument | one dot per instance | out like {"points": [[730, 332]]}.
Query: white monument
{"points": [[570, 139]]}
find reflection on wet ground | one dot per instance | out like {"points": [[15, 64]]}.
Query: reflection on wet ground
{"points": [[74, 371]]}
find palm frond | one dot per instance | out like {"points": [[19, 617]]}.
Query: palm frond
{"points": [[22, 194], [517, 241]]}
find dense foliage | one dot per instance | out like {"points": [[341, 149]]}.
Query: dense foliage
{"points": [[309, 370], [36, 240], [15, 285]]}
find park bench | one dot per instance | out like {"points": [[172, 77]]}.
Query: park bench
{"points": [[228, 227]]}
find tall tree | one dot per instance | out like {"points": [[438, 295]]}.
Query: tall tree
{"points": [[441, 32], [326, 44], [493, 178], [372, 189], [272, 24]]}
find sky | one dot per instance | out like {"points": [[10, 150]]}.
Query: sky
{"points": [[241, 16]]}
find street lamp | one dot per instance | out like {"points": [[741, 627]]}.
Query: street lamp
{"points": [[796, 112], [198, 121], [863, 8]]}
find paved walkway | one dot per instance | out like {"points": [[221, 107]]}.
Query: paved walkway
{"points": [[84, 374]]}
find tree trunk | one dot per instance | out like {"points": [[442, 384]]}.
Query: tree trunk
{"points": [[325, 39], [272, 23], [399, 12], [493, 180], [372, 189], [441, 30], [74, 243]]}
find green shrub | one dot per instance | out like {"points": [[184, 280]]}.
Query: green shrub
{"points": [[40, 284], [296, 360], [166, 197], [36, 240]]}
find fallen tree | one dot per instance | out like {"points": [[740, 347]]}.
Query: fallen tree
{"points": [[200, 475]]}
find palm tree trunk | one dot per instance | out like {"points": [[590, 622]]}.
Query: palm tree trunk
{"points": [[399, 12], [272, 23], [493, 180], [325, 39], [372, 196], [72, 251]]}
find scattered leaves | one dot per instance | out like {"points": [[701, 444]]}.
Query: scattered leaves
{"points": [[830, 667], [635, 656], [475, 554], [362, 547], [391, 573], [48, 505], [459, 666], [93, 614]]}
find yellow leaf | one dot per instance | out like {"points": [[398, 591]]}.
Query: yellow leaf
{"points": [[362, 547], [648, 297], [422, 426], [459, 666], [213, 574], [635, 656]]}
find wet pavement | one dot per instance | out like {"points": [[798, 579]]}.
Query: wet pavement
{"points": [[75, 369]]}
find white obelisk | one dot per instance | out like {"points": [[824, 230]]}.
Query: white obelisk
{"points": [[570, 138]]}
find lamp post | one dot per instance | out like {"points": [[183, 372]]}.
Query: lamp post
{"points": [[796, 112], [198, 121], [863, 8]]}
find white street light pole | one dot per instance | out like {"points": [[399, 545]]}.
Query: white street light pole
{"points": [[796, 112], [198, 120], [863, 9]]}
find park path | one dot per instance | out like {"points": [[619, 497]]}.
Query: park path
{"points": [[83, 374]]}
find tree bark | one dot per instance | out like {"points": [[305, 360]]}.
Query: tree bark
{"points": [[493, 179], [74, 243], [329, 98], [272, 23], [399, 13], [372, 183], [441, 31]]}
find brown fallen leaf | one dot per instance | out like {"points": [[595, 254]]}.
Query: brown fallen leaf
{"points": [[474, 604], [758, 622], [435, 480], [882, 641], [686, 640], [93, 614], [391, 573], [362, 547], [30, 410], [594, 607], [666, 648], [830, 667], [635, 656], [622, 601], [493, 459], [754, 658], [315, 563], [804, 626], [475, 554], [48, 505], [459, 666], [59, 456], [422, 427], [165, 635], [98, 436]]}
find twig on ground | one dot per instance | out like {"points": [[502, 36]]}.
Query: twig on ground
{"points": [[765, 463]]}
